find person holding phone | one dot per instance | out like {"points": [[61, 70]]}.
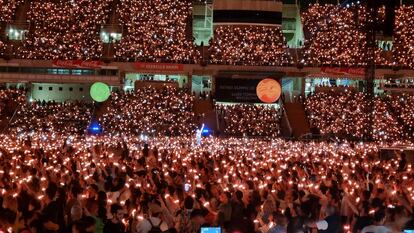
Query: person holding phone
{"points": [[183, 219], [198, 218], [225, 209]]}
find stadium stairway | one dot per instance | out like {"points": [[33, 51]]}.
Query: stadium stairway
{"points": [[21, 11], [108, 52], [205, 108], [296, 117], [102, 108], [114, 16], [285, 128], [4, 122], [7, 116]]}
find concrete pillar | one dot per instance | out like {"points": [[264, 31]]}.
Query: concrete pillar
{"points": [[303, 85], [189, 82]]}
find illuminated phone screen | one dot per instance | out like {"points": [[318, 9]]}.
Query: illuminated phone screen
{"points": [[210, 230]]}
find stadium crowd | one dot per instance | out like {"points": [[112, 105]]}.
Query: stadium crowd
{"points": [[335, 36], [165, 111], [249, 120], [338, 113], [151, 111], [7, 9], [10, 98], [73, 117], [52, 183], [344, 114], [157, 31], [403, 107], [65, 30], [161, 31], [403, 37], [55, 178], [249, 45], [385, 124], [2, 48]]}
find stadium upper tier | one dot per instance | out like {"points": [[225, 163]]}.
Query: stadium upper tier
{"points": [[7, 9], [335, 35], [157, 31], [161, 31], [64, 29], [251, 45]]}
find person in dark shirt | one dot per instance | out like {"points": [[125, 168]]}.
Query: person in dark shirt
{"points": [[238, 211], [145, 151], [115, 224], [224, 210], [363, 219], [84, 225], [403, 163], [50, 214], [334, 224], [237, 207]]}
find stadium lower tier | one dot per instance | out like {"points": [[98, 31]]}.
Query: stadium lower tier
{"points": [[351, 115], [51, 182], [169, 111]]}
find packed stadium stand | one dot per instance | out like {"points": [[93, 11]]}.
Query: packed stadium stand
{"points": [[201, 116], [403, 36], [334, 35], [161, 31], [151, 111], [157, 31], [249, 45], [344, 114], [52, 117], [7, 9], [64, 30], [249, 120]]}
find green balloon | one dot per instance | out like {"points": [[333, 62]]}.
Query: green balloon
{"points": [[100, 92]]}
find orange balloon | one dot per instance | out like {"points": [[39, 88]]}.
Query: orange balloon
{"points": [[268, 90]]}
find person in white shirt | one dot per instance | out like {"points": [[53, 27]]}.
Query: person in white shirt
{"points": [[154, 220], [377, 227]]}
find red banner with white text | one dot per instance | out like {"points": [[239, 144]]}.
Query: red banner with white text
{"points": [[142, 66], [343, 71], [77, 64]]}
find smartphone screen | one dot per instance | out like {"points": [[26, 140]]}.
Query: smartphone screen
{"points": [[210, 230], [187, 187]]}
